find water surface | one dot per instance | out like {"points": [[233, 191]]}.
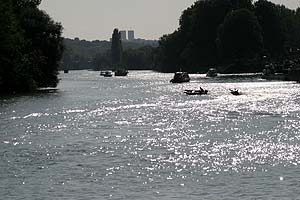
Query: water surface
{"points": [[140, 137]]}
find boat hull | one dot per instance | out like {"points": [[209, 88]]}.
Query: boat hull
{"points": [[196, 92], [121, 73], [180, 77]]}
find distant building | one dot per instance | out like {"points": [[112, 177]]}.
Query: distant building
{"points": [[123, 35], [131, 35]]}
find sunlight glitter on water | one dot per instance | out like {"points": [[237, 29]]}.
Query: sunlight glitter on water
{"points": [[149, 136]]}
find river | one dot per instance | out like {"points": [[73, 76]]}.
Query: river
{"points": [[140, 137]]}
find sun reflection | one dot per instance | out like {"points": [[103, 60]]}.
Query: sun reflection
{"points": [[149, 138]]}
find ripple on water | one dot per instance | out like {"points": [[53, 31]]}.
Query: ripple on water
{"points": [[148, 138]]}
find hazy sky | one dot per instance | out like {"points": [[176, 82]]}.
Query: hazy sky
{"points": [[96, 19]]}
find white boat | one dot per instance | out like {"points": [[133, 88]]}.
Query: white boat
{"points": [[180, 77], [106, 73]]}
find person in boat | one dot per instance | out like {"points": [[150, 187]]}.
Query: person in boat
{"points": [[235, 92], [201, 90]]}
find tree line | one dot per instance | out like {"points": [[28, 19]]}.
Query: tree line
{"points": [[82, 54], [31, 47], [139, 58], [236, 35]]}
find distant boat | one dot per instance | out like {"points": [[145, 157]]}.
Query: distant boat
{"points": [[235, 92], [121, 72], [212, 72], [180, 77], [102, 73], [106, 74], [196, 92], [66, 71]]}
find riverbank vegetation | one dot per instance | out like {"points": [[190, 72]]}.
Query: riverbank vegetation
{"points": [[30, 49], [83, 54], [232, 35], [236, 35]]}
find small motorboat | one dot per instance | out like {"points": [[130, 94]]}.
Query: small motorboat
{"points": [[121, 72], [235, 92], [102, 73], [196, 92], [180, 77], [107, 74]]}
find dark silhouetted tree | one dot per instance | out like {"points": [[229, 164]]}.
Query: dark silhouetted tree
{"points": [[193, 46], [116, 48], [12, 73], [272, 29], [138, 59], [44, 43], [240, 36], [31, 46]]}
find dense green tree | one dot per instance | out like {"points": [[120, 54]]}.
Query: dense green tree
{"points": [[297, 21], [134, 59], [239, 4], [217, 32], [44, 42], [31, 46], [290, 27], [273, 33], [116, 48], [102, 61], [95, 54], [13, 71], [20, 4], [199, 30], [139, 59], [193, 46], [240, 36], [168, 56]]}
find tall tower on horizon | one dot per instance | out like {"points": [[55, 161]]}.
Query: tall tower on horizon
{"points": [[131, 35], [123, 35]]}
